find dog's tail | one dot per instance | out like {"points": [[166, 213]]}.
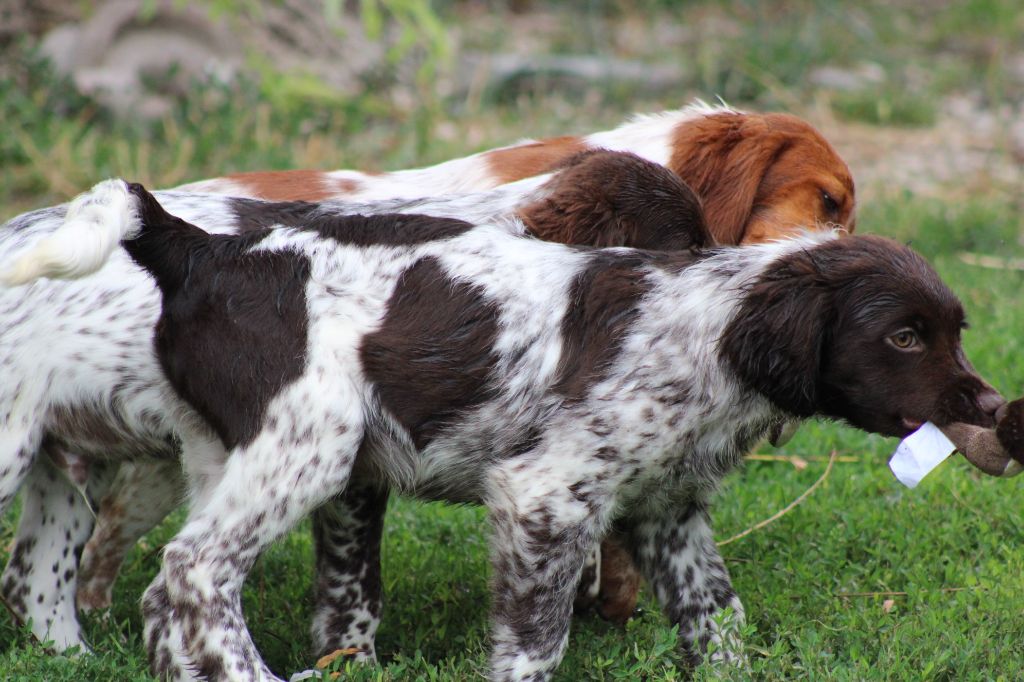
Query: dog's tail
{"points": [[111, 213], [96, 221]]}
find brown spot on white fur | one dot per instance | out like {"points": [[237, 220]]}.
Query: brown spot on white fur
{"points": [[293, 185], [533, 158]]}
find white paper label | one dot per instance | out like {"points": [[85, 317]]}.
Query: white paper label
{"points": [[919, 453]]}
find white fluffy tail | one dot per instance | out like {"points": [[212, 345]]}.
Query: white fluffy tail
{"points": [[95, 224]]}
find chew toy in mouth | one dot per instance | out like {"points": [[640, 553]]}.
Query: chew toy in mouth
{"points": [[998, 451]]}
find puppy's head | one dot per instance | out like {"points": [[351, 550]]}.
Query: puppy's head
{"points": [[862, 330], [763, 176], [606, 198]]}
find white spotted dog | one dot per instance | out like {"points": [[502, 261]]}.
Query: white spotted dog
{"points": [[759, 176], [565, 388], [98, 391]]}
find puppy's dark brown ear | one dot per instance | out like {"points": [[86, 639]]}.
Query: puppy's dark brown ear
{"points": [[776, 341], [604, 198]]}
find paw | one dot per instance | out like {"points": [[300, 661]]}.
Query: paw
{"points": [[92, 597], [620, 583]]}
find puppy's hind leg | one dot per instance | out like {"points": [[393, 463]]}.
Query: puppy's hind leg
{"points": [[20, 443], [291, 467], [143, 493], [40, 579], [347, 533]]}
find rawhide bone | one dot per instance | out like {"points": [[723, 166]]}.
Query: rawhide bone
{"points": [[997, 451]]}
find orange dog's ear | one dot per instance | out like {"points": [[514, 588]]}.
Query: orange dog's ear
{"points": [[723, 158]]}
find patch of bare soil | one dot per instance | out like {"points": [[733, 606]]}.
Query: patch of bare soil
{"points": [[970, 151]]}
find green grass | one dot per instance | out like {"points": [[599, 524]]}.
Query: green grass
{"points": [[953, 545]]}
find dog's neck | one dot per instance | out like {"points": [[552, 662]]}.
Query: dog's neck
{"points": [[675, 344]]}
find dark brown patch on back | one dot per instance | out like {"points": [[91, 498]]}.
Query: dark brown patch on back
{"points": [[533, 158], [294, 185], [233, 329], [255, 214], [352, 230], [432, 358], [388, 229], [603, 198], [603, 304]]}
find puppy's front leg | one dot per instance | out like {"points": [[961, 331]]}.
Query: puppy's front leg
{"points": [[543, 533], [676, 552]]}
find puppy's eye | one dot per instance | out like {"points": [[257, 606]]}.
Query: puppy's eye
{"points": [[829, 203], [904, 339]]}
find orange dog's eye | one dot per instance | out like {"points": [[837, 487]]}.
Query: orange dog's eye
{"points": [[829, 203], [904, 339]]}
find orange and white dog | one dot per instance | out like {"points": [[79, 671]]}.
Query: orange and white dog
{"points": [[759, 176]]}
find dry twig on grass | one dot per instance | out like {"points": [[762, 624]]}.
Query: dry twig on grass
{"points": [[847, 595], [991, 262], [798, 461], [788, 508]]}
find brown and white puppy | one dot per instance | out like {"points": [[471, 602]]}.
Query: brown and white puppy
{"points": [[567, 389], [759, 176]]}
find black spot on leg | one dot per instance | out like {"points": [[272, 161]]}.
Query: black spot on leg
{"points": [[210, 667]]}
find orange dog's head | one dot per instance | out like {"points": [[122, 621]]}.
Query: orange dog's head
{"points": [[763, 176]]}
